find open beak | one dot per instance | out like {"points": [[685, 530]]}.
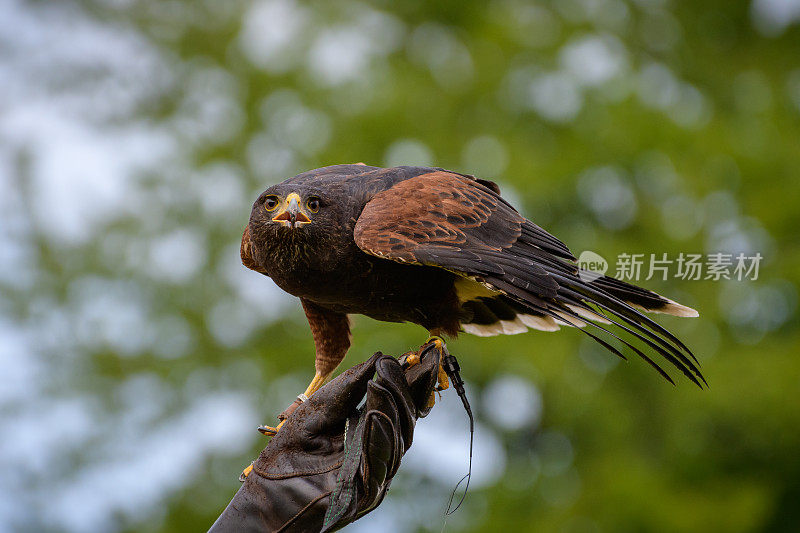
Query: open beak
{"points": [[292, 215]]}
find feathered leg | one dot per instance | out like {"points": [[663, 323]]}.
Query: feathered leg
{"points": [[331, 333]]}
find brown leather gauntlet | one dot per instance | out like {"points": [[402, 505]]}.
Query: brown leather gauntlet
{"points": [[331, 462]]}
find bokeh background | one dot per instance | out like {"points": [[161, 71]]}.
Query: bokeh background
{"points": [[137, 355]]}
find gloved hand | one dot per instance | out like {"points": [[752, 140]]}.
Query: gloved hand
{"points": [[332, 463]]}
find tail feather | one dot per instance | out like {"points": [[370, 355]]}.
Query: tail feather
{"points": [[666, 350], [599, 304], [621, 309], [635, 349], [640, 326]]}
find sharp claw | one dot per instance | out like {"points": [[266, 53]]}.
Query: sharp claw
{"points": [[245, 473], [269, 431]]}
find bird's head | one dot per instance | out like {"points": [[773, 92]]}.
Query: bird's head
{"points": [[288, 222]]}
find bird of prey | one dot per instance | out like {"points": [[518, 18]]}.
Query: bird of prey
{"points": [[440, 249]]}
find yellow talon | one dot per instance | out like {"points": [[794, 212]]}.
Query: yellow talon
{"points": [[412, 358], [246, 472], [314, 386], [436, 339], [444, 383], [269, 430]]}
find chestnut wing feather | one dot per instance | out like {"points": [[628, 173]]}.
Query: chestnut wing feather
{"points": [[455, 222]]}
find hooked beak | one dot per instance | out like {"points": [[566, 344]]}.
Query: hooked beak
{"points": [[292, 215]]}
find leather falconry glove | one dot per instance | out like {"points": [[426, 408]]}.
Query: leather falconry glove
{"points": [[332, 463]]}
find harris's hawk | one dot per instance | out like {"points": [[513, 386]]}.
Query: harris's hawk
{"points": [[440, 249]]}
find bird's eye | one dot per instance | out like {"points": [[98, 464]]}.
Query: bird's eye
{"points": [[271, 203], [313, 204]]}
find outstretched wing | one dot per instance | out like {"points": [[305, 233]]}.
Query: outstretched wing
{"points": [[454, 222], [461, 224]]}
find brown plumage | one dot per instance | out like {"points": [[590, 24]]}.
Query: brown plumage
{"points": [[440, 249]]}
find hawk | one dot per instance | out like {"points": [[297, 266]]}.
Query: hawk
{"points": [[440, 249]]}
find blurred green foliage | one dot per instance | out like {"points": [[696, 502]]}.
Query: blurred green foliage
{"points": [[621, 127]]}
